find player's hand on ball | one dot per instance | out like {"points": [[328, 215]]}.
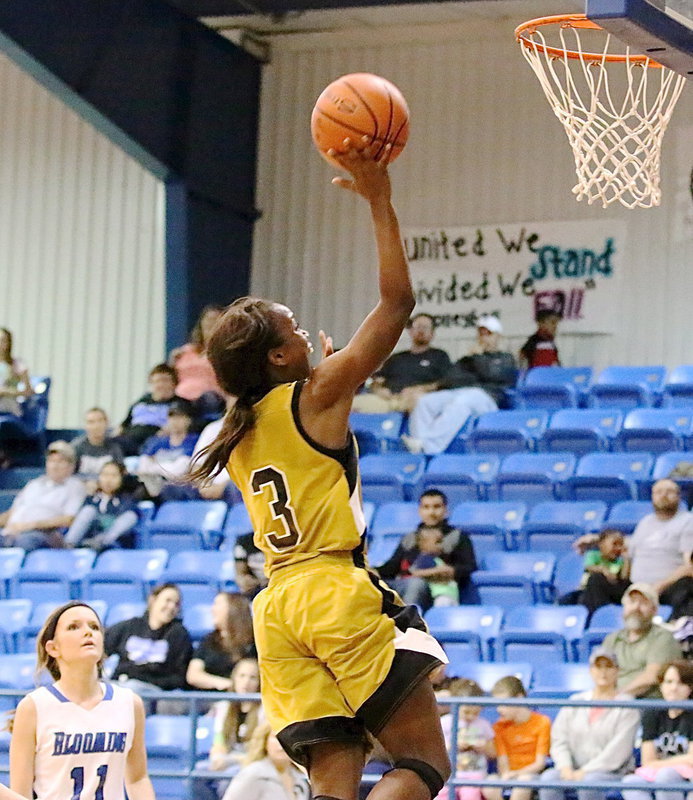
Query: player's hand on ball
{"points": [[368, 167]]}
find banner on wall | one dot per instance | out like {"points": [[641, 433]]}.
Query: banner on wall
{"points": [[514, 270]]}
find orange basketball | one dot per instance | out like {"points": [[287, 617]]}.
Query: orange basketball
{"points": [[359, 105]]}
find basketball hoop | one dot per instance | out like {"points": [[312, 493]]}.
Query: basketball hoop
{"points": [[614, 117]]}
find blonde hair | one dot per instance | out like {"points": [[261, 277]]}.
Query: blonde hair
{"points": [[232, 719], [46, 661], [257, 746], [510, 685]]}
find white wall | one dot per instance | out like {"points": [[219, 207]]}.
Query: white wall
{"points": [[484, 148], [81, 253]]}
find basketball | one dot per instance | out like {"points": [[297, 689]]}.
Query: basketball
{"points": [[356, 105]]}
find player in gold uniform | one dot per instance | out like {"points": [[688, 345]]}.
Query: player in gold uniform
{"points": [[340, 655]]}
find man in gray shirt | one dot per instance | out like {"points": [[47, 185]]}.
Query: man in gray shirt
{"points": [[660, 553]]}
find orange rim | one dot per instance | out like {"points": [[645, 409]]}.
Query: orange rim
{"points": [[525, 31]]}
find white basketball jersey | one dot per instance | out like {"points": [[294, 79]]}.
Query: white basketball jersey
{"points": [[80, 753]]}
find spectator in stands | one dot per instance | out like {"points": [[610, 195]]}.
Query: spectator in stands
{"points": [[229, 642], [107, 516], [666, 752], [148, 416], [522, 740], [457, 553], [407, 375], [219, 488], [153, 650], [95, 447], [250, 565], [46, 505], [430, 544], [540, 349], [196, 379], [235, 720], [660, 553], [474, 385], [475, 736], [606, 560], [166, 457], [641, 646], [14, 377], [592, 743], [269, 773]]}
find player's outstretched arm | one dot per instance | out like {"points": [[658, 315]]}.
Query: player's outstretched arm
{"points": [[137, 782], [341, 374]]}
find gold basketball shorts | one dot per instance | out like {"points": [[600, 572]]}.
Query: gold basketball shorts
{"points": [[338, 652]]}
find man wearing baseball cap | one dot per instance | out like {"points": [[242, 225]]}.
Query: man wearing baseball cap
{"points": [[46, 505], [474, 385], [641, 646]]}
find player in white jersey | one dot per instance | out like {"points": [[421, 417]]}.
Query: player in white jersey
{"points": [[79, 738]]}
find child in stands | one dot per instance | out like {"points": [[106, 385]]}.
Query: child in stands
{"points": [[430, 545], [540, 349], [522, 739]]}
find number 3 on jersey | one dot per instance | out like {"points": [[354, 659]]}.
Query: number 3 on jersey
{"points": [[280, 503]]}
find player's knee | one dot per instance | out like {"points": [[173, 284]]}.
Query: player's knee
{"points": [[433, 777]]}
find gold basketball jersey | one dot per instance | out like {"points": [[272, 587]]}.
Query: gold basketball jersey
{"points": [[303, 499]]}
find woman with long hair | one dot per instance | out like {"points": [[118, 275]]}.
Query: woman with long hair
{"points": [[79, 737], [268, 773], [231, 640], [340, 655], [14, 377]]}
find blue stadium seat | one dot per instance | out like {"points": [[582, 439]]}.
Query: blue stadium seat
{"points": [[604, 620], [568, 574], [553, 388], [542, 632], [508, 431], [200, 573], [461, 476], [17, 671], [14, 616], [678, 390], [628, 387], [7, 497], [170, 788], [381, 548], [554, 525], [534, 477], [237, 524], [60, 567], [486, 674], [395, 518], [11, 559], [666, 463], [18, 477], [500, 519], [125, 610], [560, 680], [458, 444], [185, 525], [368, 513], [29, 429], [582, 430], [198, 620], [390, 476], [657, 430], [377, 433], [167, 739], [478, 625], [625, 515], [537, 565], [506, 591], [610, 477], [120, 575]]}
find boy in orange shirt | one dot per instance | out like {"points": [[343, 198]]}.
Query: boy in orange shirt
{"points": [[522, 739]]}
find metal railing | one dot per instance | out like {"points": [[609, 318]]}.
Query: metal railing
{"points": [[197, 700]]}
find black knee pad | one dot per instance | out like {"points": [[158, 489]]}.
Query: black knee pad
{"points": [[428, 774]]}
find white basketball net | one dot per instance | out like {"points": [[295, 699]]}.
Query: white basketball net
{"points": [[616, 133]]}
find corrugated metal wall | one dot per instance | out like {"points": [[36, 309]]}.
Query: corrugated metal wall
{"points": [[82, 253], [485, 148]]}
